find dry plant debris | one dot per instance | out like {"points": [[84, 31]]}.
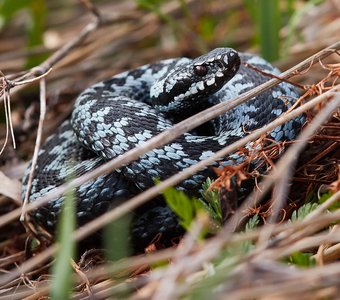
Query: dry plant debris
{"points": [[194, 271]]}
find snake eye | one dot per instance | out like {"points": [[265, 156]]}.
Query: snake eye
{"points": [[200, 70]]}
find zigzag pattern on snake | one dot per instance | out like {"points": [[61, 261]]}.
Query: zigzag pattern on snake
{"points": [[126, 110]]}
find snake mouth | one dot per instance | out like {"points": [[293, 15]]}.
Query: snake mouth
{"points": [[231, 60]]}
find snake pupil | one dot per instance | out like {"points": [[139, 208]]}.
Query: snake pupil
{"points": [[201, 70]]}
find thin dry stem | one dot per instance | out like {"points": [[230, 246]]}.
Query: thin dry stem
{"points": [[36, 147], [323, 207], [166, 288], [331, 254], [319, 256], [13, 83], [8, 116]]}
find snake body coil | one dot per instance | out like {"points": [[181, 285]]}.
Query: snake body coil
{"points": [[116, 115]]}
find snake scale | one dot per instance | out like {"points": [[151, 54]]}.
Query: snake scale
{"points": [[123, 112]]}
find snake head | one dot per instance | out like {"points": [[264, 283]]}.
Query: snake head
{"points": [[191, 80]]}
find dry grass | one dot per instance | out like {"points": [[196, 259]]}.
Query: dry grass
{"points": [[91, 45]]}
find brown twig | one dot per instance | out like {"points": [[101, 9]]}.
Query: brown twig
{"points": [[7, 106], [36, 147]]}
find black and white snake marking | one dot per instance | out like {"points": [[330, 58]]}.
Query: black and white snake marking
{"points": [[126, 110]]}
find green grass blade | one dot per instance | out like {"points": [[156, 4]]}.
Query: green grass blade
{"points": [[116, 239], [35, 30], [62, 269], [35, 24], [8, 8], [181, 205], [269, 27]]}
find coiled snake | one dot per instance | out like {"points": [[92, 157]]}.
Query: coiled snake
{"points": [[126, 110]]}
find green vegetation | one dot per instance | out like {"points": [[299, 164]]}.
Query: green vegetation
{"points": [[116, 240], [62, 268], [36, 14], [303, 211], [267, 17], [187, 208]]}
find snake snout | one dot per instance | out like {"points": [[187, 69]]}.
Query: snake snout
{"points": [[232, 60], [231, 67]]}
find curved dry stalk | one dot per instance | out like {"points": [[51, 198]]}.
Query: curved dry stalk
{"points": [[322, 207], [320, 254], [13, 83], [37, 145], [331, 253], [287, 285], [8, 115]]}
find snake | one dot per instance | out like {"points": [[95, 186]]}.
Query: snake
{"points": [[126, 110]]}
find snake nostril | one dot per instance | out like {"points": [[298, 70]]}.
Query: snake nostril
{"points": [[226, 59]]}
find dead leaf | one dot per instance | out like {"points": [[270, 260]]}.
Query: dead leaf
{"points": [[10, 188]]}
